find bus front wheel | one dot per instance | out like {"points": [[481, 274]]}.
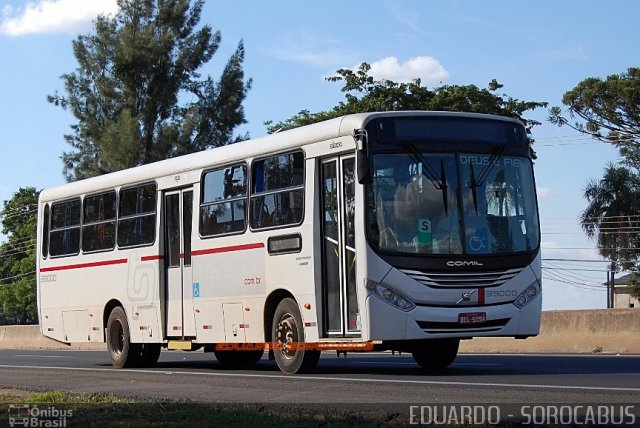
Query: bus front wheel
{"points": [[436, 353], [122, 352], [288, 340]]}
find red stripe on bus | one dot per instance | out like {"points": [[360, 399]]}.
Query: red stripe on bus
{"points": [[85, 265], [227, 249], [151, 258], [480, 296]]}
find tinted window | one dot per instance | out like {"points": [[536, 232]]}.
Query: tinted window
{"points": [[223, 203], [99, 225], [45, 232], [138, 200], [137, 216], [278, 192], [278, 172], [64, 238]]}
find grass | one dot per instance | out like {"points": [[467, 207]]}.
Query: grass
{"points": [[110, 410]]}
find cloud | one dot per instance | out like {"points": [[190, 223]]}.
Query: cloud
{"points": [[317, 50], [544, 192], [408, 17], [53, 16], [570, 52], [426, 68]]}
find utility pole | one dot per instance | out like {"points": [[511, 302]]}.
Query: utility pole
{"points": [[613, 285], [608, 285]]}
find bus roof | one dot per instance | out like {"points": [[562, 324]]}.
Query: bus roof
{"points": [[333, 128]]}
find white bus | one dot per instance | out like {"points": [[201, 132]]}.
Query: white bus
{"points": [[404, 231]]}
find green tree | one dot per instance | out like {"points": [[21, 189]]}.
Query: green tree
{"points": [[607, 110], [612, 214], [18, 258], [132, 73], [363, 93], [633, 285]]}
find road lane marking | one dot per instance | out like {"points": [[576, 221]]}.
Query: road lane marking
{"points": [[40, 356], [330, 378]]}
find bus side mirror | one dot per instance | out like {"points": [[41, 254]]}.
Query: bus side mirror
{"points": [[364, 171], [362, 160]]}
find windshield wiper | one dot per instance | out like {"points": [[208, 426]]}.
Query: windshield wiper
{"points": [[484, 174], [474, 188], [439, 183]]}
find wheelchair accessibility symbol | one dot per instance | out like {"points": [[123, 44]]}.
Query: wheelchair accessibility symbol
{"points": [[478, 243]]}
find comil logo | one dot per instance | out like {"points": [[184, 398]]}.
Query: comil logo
{"points": [[460, 263]]}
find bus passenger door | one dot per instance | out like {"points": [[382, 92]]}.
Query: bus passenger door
{"points": [[341, 313], [178, 207]]}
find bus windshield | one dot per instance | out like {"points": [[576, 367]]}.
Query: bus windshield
{"points": [[427, 203]]}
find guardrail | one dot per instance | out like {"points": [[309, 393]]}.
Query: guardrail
{"points": [[610, 331]]}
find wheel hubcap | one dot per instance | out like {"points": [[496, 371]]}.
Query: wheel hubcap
{"points": [[117, 338], [287, 335]]}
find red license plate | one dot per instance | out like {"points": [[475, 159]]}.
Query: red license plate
{"points": [[472, 318]]}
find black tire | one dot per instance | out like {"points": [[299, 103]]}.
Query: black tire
{"points": [[238, 359], [150, 354], [122, 352], [437, 353], [286, 329]]}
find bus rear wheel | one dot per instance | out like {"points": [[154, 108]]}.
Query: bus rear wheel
{"points": [[436, 353], [287, 333], [122, 352]]}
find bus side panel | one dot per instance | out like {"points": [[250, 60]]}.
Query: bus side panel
{"points": [[226, 271], [51, 323], [295, 273]]}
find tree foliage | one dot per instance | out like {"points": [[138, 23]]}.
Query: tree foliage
{"points": [[137, 94], [363, 93], [18, 258], [612, 214], [608, 110]]}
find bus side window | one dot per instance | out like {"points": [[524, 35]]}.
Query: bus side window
{"points": [[137, 216], [64, 236], [45, 232], [277, 197], [223, 203], [99, 222]]}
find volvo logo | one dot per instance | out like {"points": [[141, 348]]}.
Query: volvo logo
{"points": [[460, 263], [466, 296]]}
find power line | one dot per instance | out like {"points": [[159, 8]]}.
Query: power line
{"points": [[16, 276]]}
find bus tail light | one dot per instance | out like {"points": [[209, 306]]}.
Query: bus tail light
{"points": [[390, 296], [527, 295]]}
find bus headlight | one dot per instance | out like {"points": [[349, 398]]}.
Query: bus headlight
{"points": [[390, 296], [527, 295]]}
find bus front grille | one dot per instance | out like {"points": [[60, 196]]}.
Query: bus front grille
{"points": [[441, 327], [462, 279]]}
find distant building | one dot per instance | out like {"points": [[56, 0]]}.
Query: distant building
{"points": [[622, 297]]}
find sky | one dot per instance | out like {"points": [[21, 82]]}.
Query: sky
{"points": [[538, 50]]}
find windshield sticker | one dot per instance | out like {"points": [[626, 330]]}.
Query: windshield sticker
{"points": [[425, 236], [485, 160], [478, 243]]}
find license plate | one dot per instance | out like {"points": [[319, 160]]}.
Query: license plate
{"points": [[472, 318]]}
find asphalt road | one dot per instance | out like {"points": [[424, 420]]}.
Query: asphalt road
{"points": [[374, 378]]}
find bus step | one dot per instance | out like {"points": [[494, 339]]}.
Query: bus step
{"points": [[183, 345]]}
